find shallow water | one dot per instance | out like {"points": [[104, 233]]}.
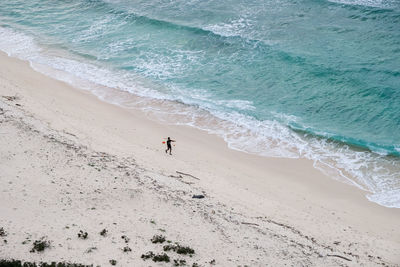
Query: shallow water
{"points": [[314, 79]]}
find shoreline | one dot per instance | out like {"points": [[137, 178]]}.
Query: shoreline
{"points": [[289, 191]]}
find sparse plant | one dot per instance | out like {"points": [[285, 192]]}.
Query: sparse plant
{"points": [[125, 238], [184, 250], [179, 262], [18, 263], [169, 247], [179, 249], [158, 239], [40, 245], [148, 255], [195, 264], [212, 262], [83, 235], [161, 257], [2, 232], [127, 249], [103, 232], [113, 262]]}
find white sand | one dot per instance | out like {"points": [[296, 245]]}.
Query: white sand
{"points": [[71, 162]]}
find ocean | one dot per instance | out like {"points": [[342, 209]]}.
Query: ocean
{"points": [[313, 79]]}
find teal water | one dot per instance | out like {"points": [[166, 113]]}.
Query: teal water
{"points": [[320, 78]]}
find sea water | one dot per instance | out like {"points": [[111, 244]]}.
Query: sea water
{"points": [[316, 79]]}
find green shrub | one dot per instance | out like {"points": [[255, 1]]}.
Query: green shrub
{"points": [[179, 249], [40, 245], [83, 235], [161, 257], [148, 255], [158, 239]]}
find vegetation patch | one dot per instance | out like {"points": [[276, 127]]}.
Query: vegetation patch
{"points": [[184, 250], [148, 255], [156, 258], [158, 239], [2, 232], [83, 235], [40, 245], [113, 262], [18, 263], [103, 232], [125, 238], [179, 249], [127, 249], [161, 257], [179, 262]]}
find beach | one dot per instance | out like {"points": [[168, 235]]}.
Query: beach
{"points": [[71, 162]]}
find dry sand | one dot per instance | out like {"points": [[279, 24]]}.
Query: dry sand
{"points": [[71, 162]]}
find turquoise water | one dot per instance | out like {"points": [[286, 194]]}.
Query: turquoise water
{"points": [[319, 78]]}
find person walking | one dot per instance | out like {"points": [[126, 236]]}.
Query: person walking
{"points": [[169, 147]]}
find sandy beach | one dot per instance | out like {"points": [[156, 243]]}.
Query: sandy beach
{"points": [[71, 162]]}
